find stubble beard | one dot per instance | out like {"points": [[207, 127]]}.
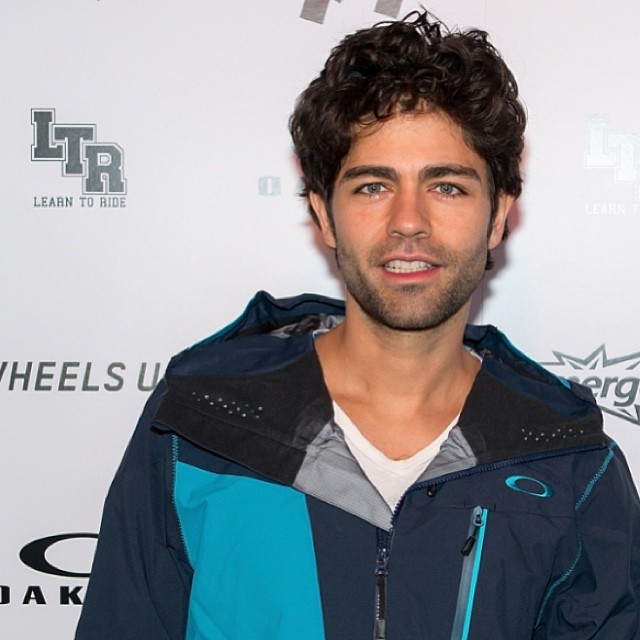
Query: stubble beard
{"points": [[414, 307]]}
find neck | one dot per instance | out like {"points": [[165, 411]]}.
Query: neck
{"points": [[400, 388], [371, 358]]}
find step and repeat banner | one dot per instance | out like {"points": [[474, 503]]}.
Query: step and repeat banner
{"points": [[149, 189]]}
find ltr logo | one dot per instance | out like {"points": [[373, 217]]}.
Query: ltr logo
{"points": [[616, 149], [100, 165]]}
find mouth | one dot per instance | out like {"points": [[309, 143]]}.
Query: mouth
{"points": [[407, 266]]}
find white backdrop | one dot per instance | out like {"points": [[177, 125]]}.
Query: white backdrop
{"points": [[176, 112]]}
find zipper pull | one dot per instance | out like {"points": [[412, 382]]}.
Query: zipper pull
{"points": [[382, 561], [477, 521], [380, 573], [469, 576]]}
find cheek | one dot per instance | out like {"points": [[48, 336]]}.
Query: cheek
{"points": [[348, 231]]}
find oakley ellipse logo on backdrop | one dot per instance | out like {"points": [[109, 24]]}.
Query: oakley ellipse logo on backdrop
{"points": [[69, 550], [614, 381], [618, 152], [34, 554], [98, 165], [316, 10]]}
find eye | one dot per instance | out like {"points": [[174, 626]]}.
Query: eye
{"points": [[448, 189], [371, 188]]}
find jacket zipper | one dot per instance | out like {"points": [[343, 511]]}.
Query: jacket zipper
{"points": [[381, 572], [472, 552]]}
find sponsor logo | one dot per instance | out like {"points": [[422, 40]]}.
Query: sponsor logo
{"points": [[618, 152], [316, 10], [276, 186], [269, 186], [98, 165], [35, 555], [77, 376], [615, 382], [529, 486]]}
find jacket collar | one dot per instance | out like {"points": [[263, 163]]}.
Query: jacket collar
{"points": [[254, 393]]}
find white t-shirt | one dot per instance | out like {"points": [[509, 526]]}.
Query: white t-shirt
{"points": [[390, 477]]}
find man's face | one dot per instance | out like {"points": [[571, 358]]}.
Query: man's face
{"points": [[411, 221]]}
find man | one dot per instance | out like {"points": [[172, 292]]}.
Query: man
{"points": [[378, 469]]}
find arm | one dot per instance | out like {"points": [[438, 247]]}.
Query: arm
{"points": [[140, 579], [598, 595]]}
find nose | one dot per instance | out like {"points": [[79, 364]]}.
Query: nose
{"points": [[408, 214]]}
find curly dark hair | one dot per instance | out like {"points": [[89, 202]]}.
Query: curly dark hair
{"points": [[406, 66]]}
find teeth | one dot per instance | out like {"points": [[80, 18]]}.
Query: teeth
{"points": [[407, 266]]}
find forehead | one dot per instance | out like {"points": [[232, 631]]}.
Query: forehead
{"points": [[411, 141]]}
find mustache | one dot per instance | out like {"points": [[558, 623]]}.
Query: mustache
{"points": [[412, 246]]}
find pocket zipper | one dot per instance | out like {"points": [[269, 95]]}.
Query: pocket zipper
{"points": [[472, 552]]}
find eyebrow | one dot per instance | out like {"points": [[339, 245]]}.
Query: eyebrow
{"points": [[429, 172], [444, 170], [372, 171]]}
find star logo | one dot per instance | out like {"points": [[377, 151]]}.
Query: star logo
{"points": [[615, 382]]}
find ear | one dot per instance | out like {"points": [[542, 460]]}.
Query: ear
{"points": [[505, 202], [324, 219]]}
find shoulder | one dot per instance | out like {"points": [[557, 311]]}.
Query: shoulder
{"points": [[269, 334], [518, 408]]}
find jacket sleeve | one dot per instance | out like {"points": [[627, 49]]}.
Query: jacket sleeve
{"points": [[598, 595], [140, 578]]}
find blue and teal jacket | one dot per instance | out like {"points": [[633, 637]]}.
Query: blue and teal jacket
{"points": [[238, 512]]}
